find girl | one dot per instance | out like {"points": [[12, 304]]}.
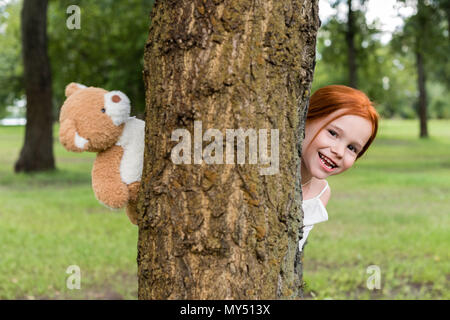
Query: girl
{"points": [[340, 126]]}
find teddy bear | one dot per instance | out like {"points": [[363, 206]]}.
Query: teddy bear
{"points": [[96, 120]]}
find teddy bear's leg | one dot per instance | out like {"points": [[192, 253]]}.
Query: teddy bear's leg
{"points": [[106, 181], [133, 189], [132, 212]]}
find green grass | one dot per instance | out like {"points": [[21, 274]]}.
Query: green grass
{"points": [[50, 221], [390, 210]]}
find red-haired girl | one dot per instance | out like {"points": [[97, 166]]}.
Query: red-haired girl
{"points": [[340, 126]]}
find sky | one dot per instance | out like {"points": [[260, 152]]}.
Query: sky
{"points": [[387, 12], [4, 2]]}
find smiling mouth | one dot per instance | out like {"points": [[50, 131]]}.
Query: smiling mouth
{"points": [[327, 162]]}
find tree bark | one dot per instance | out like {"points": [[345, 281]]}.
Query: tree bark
{"points": [[37, 150], [224, 231], [421, 84], [351, 50]]}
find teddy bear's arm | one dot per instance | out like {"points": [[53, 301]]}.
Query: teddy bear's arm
{"points": [[108, 186], [70, 138]]}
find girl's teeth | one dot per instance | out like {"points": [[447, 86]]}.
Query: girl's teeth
{"points": [[326, 165], [325, 162]]}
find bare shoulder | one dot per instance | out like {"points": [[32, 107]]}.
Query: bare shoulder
{"points": [[326, 195]]}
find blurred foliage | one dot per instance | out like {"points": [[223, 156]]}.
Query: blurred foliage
{"points": [[384, 76], [11, 68], [387, 71], [426, 32], [107, 51]]}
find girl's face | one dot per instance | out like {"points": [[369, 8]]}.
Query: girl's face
{"points": [[336, 146]]}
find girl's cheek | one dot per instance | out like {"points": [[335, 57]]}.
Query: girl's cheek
{"points": [[349, 163], [322, 139], [304, 148]]}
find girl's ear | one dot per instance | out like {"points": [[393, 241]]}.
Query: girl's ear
{"points": [[73, 87]]}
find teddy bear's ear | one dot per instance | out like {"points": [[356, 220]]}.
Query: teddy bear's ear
{"points": [[72, 87]]}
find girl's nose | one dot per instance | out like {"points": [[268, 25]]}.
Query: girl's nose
{"points": [[338, 149]]}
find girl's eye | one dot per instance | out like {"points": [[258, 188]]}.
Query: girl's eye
{"points": [[352, 148], [332, 132], [103, 110]]}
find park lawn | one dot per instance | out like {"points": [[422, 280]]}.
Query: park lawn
{"points": [[50, 221], [391, 210]]}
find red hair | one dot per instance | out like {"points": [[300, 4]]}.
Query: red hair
{"points": [[351, 101]]}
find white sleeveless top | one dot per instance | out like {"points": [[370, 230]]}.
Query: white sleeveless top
{"points": [[314, 212]]}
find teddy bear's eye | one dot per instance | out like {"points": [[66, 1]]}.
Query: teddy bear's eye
{"points": [[103, 110]]}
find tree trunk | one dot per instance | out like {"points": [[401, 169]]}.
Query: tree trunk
{"points": [[422, 95], [37, 150], [350, 37], [421, 78], [224, 231]]}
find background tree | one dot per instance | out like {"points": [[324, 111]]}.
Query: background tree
{"points": [[105, 52], [350, 29], [387, 66], [37, 151], [373, 61], [224, 231], [350, 37], [423, 37]]}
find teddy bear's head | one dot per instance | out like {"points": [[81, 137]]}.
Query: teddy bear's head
{"points": [[92, 119]]}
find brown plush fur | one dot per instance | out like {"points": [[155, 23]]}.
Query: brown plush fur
{"points": [[67, 131], [82, 114], [133, 189], [132, 211], [106, 182], [83, 109]]}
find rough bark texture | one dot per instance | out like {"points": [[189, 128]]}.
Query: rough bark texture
{"points": [[37, 150], [224, 231], [350, 37]]}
